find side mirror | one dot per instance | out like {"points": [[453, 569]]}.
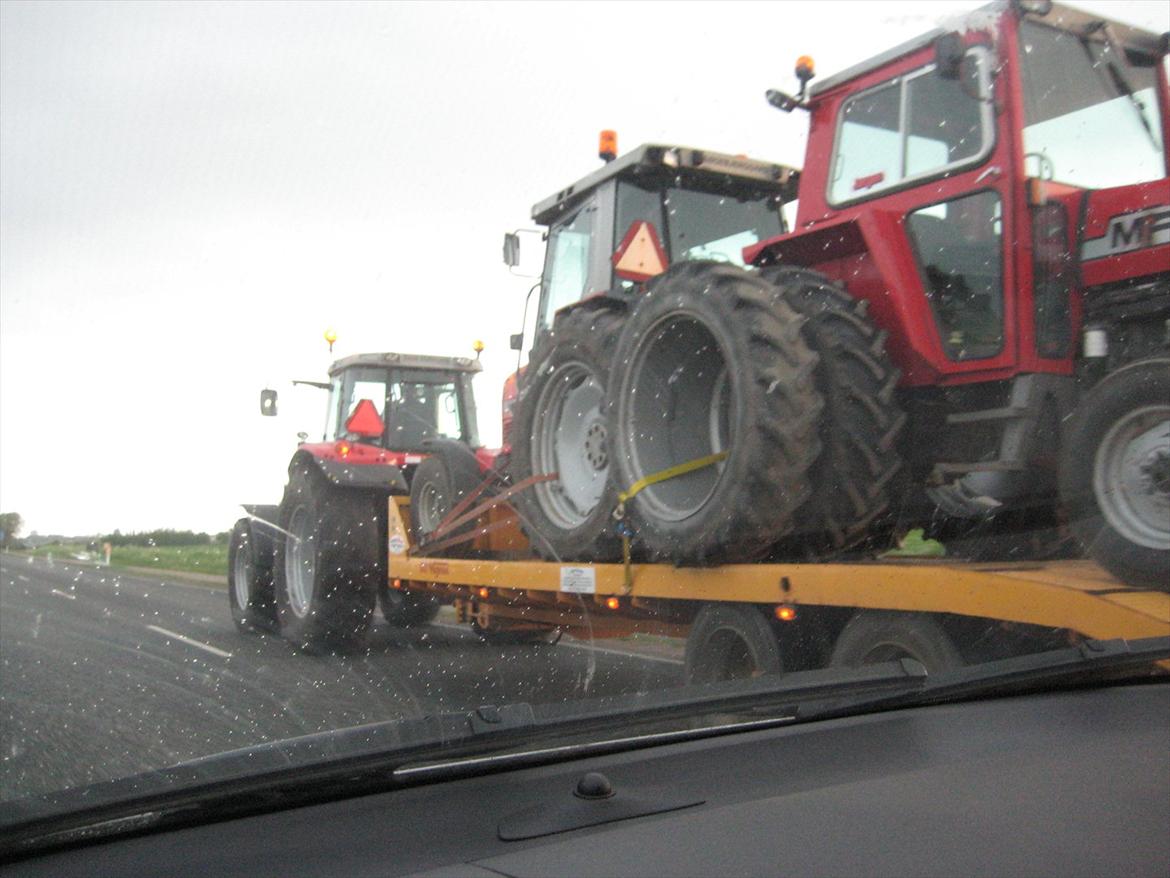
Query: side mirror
{"points": [[948, 55], [511, 249], [516, 341], [268, 403]]}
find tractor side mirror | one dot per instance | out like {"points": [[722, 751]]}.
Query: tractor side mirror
{"points": [[516, 341], [268, 403], [948, 55], [511, 249]]}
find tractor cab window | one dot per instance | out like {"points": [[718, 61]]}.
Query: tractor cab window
{"points": [[352, 387], [1091, 116], [708, 225], [959, 248], [423, 409], [566, 272], [912, 128]]}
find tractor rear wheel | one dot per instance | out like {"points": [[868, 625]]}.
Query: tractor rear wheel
{"points": [[711, 363], [250, 593], [327, 565], [447, 475], [861, 423], [1115, 473], [561, 426]]}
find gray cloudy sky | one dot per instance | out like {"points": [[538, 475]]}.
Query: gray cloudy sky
{"points": [[191, 193]]}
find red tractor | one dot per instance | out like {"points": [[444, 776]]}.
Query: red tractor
{"points": [[974, 301], [313, 567]]}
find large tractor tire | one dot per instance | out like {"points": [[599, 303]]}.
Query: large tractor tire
{"points": [[710, 363], [445, 477], [853, 478], [1115, 473], [327, 565], [250, 592], [561, 426]]}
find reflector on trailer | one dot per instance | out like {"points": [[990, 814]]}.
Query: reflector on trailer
{"points": [[640, 255]]}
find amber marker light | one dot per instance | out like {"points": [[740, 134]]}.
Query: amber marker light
{"points": [[397, 583], [485, 592], [786, 613], [613, 603]]}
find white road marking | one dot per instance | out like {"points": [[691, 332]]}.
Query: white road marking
{"points": [[23, 578], [189, 641], [65, 594]]}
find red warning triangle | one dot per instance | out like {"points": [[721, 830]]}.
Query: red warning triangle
{"points": [[640, 255], [365, 420]]}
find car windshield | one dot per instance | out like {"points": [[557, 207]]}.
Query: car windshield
{"points": [[924, 423]]}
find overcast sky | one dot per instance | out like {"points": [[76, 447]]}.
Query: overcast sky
{"points": [[190, 194]]}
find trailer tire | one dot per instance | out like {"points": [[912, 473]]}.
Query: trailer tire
{"points": [[327, 565], [1115, 473], [561, 426], [403, 609], [731, 642], [250, 591], [443, 479], [875, 636], [708, 362], [853, 478]]}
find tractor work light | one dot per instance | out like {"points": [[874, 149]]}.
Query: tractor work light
{"points": [[607, 146]]}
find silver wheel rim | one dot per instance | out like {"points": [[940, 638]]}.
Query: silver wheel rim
{"points": [[300, 563], [678, 366], [242, 574], [569, 438], [1131, 477], [431, 508]]}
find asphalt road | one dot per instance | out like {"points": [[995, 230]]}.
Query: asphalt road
{"points": [[105, 674]]}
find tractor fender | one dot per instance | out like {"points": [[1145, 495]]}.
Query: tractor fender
{"points": [[458, 456], [377, 476], [262, 527]]}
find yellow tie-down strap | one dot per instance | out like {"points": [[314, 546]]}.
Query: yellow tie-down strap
{"points": [[645, 482]]}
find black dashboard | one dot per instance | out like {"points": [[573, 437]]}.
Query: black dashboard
{"points": [[1068, 783]]}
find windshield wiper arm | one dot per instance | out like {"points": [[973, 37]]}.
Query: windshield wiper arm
{"points": [[1120, 80]]}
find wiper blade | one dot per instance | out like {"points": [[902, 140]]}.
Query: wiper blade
{"points": [[364, 759]]}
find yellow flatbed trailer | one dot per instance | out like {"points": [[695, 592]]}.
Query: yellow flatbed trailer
{"points": [[610, 600]]}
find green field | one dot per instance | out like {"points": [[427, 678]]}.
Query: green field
{"points": [[210, 559]]}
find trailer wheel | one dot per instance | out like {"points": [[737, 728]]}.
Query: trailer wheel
{"points": [[561, 426], [1115, 473], [708, 363], [861, 423], [403, 609], [327, 564], [442, 479], [731, 642], [250, 592], [872, 637]]}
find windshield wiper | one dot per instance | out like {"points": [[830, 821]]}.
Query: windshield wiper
{"points": [[1117, 75]]}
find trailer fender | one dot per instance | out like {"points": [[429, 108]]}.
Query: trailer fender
{"points": [[376, 476]]}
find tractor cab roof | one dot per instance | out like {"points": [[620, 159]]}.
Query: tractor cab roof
{"points": [[407, 361], [697, 168], [1082, 24]]}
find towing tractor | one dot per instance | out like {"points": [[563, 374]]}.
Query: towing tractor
{"points": [[972, 307], [314, 566]]}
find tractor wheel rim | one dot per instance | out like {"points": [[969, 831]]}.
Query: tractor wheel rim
{"points": [[676, 406], [432, 508], [1131, 477], [242, 574], [569, 438], [300, 563]]}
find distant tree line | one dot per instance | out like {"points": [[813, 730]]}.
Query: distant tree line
{"points": [[164, 537]]}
